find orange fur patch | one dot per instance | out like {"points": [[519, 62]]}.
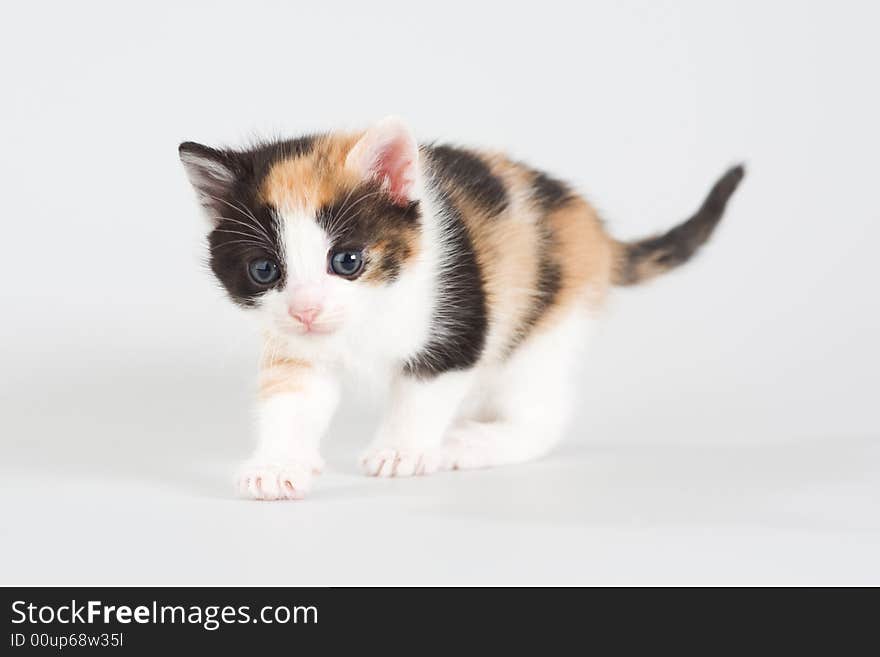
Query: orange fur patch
{"points": [[281, 375], [312, 180], [584, 253]]}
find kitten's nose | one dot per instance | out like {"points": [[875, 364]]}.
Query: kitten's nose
{"points": [[305, 316]]}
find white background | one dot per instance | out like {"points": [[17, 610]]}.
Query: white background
{"points": [[729, 431]]}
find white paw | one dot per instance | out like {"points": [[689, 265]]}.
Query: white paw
{"points": [[289, 481], [403, 462], [469, 447]]}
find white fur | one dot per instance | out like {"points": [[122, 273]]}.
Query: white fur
{"points": [[520, 408], [410, 436], [289, 428], [497, 414]]}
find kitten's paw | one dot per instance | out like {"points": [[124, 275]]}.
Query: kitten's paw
{"points": [[468, 448], [290, 481], [403, 462]]}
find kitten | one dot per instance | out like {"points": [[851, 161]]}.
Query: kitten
{"points": [[467, 279]]}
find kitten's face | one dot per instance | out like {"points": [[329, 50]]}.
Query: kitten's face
{"points": [[312, 233]]}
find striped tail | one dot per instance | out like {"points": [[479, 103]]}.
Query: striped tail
{"points": [[644, 259]]}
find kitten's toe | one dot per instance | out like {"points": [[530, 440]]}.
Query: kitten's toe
{"points": [[392, 462], [274, 482], [379, 462]]}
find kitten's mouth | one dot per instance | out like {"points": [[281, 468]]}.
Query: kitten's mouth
{"points": [[317, 330], [307, 330]]}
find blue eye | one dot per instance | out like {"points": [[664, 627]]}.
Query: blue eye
{"points": [[264, 271], [346, 263]]}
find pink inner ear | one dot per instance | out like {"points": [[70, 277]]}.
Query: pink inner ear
{"points": [[389, 154], [394, 166]]}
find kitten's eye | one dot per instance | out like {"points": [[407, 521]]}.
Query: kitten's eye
{"points": [[264, 271], [346, 263]]}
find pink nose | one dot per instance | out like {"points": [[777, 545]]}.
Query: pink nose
{"points": [[305, 316]]}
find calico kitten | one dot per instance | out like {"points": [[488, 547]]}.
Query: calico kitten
{"points": [[465, 279]]}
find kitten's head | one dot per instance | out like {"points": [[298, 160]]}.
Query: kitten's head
{"points": [[312, 232]]}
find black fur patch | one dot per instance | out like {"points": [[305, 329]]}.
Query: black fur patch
{"points": [[244, 229], [457, 170], [549, 192], [367, 216], [234, 246], [547, 286], [461, 322]]}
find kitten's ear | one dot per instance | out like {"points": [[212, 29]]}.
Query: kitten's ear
{"points": [[212, 173], [388, 153]]}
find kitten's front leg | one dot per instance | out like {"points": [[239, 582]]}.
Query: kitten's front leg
{"points": [[296, 402], [409, 440]]}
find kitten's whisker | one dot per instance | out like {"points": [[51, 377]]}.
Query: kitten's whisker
{"points": [[263, 362], [247, 215], [257, 229], [270, 352], [345, 215], [347, 198], [245, 209], [238, 232], [250, 242], [342, 208], [230, 205]]}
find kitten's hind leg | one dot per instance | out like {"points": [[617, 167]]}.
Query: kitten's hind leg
{"points": [[529, 403]]}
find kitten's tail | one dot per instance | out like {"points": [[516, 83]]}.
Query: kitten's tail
{"points": [[644, 259]]}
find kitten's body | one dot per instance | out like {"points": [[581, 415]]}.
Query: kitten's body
{"points": [[479, 279]]}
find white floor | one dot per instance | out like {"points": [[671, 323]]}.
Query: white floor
{"points": [[124, 478]]}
